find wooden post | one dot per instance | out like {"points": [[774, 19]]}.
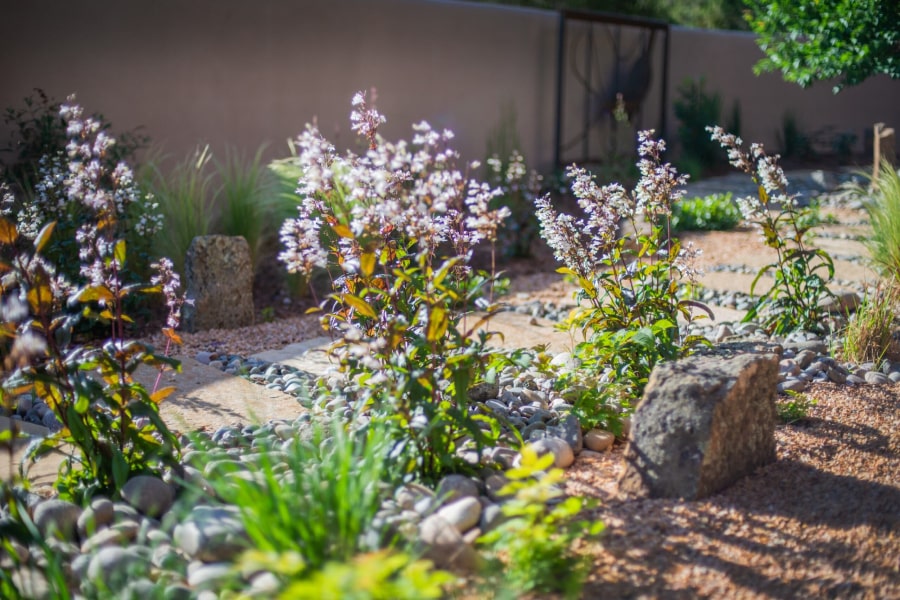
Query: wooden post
{"points": [[884, 148]]}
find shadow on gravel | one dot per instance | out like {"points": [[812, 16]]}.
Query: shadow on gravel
{"points": [[834, 435], [772, 524], [790, 516]]}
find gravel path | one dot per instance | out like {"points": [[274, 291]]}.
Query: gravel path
{"points": [[821, 522], [246, 341]]}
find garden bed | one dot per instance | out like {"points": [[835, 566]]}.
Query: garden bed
{"points": [[822, 521], [431, 439]]}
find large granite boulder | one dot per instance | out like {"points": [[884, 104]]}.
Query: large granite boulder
{"points": [[219, 278], [704, 422]]}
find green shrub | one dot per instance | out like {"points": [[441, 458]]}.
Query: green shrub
{"points": [[394, 230], [795, 408], [380, 575], [793, 140], [38, 131], [334, 478], [184, 196], [505, 170], [110, 420], [246, 202], [309, 515], [628, 277], [531, 550], [884, 215], [18, 579], [716, 212], [286, 173], [695, 109], [516, 190], [37, 178]]}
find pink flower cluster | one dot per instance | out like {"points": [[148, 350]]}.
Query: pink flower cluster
{"points": [[405, 191]]}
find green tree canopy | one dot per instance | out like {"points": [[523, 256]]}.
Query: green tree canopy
{"points": [[813, 40]]}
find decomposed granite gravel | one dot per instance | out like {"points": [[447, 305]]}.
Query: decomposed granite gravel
{"points": [[821, 522]]}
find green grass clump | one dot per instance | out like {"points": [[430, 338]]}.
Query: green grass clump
{"points": [[532, 549], [246, 201], [884, 215], [309, 511], [795, 408], [716, 212], [185, 199], [333, 479], [868, 335]]}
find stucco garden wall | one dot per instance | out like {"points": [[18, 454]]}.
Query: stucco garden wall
{"points": [[244, 73]]}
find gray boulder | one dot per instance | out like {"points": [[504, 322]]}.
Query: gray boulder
{"points": [[219, 279], [704, 422]]}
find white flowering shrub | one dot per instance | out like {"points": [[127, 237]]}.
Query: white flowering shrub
{"points": [[629, 268], [394, 227], [86, 165], [111, 420], [518, 188], [801, 271]]}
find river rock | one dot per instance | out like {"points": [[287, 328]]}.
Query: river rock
{"points": [[115, 565], [445, 547], [454, 487], [59, 516], [211, 534], [462, 514], [148, 494], [99, 514], [599, 440], [563, 456]]}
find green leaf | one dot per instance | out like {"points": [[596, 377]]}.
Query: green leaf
{"points": [[6, 437], [120, 469], [79, 430], [643, 338], [759, 275], [82, 404]]}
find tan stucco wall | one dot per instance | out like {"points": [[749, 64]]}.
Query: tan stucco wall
{"points": [[247, 72], [244, 73], [726, 59]]}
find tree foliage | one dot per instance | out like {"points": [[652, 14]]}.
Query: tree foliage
{"points": [[813, 40]]}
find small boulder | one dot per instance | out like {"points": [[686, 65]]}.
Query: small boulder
{"points": [[841, 304], [453, 487], [219, 280], [446, 547], [704, 423], [462, 514], [96, 516]]}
